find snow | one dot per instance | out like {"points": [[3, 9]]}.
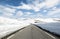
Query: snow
{"points": [[8, 25], [50, 24], [52, 27]]}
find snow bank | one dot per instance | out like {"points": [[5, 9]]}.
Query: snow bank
{"points": [[8, 25]]}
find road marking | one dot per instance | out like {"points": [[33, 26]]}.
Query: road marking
{"points": [[50, 35], [10, 36]]}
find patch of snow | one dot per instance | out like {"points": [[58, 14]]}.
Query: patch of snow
{"points": [[8, 25]]}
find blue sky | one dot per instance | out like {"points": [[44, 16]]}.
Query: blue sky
{"points": [[30, 8]]}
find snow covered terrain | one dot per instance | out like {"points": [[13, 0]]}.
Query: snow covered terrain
{"points": [[52, 25], [8, 25]]}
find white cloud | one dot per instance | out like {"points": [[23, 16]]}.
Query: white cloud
{"points": [[54, 8], [7, 11], [52, 13], [28, 13], [19, 13], [36, 5], [46, 4], [45, 11], [51, 3], [39, 15], [7, 14], [24, 6]]}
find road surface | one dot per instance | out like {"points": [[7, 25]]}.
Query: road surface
{"points": [[31, 32]]}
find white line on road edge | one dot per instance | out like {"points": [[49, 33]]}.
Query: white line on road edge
{"points": [[50, 35], [10, 36]]}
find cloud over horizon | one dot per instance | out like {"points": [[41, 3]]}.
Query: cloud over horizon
{"points": [[30, 8]]}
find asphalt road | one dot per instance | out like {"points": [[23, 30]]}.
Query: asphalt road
{"points": [[31, 32]]}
